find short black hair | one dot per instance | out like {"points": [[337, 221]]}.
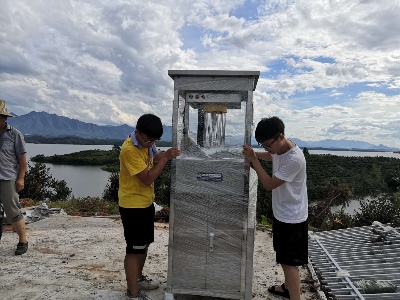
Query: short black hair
{"points": [[269, 128], [150, 125]]}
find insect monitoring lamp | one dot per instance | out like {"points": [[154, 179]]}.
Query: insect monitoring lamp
{"points": [[213, 188]]}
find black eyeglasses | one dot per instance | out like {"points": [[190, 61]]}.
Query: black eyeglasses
{"points": [[270, 145], [148, 140]]}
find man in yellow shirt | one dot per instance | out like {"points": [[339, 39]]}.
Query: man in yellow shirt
{"points": [[140, 165]]}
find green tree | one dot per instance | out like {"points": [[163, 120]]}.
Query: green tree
{"points": [[264, 203], [396, 199], [162, 186], [393, 181], [40, 184], [264, 197], [60, 190], [111, 190], [116, 148]]}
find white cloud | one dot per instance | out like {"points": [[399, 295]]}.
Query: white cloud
{"points": [[330, 68]]}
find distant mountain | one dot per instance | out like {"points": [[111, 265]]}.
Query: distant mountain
{"points": [[51, 125], [341, 144]]}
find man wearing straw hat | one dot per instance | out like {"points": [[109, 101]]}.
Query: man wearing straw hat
{"points": [[12, 173]]}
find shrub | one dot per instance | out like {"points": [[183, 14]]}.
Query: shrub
{"points": [[382, 208], [264, 203], [341, 220], [320, 214]]}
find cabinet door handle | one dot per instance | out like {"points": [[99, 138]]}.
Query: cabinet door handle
{"points": [[211, 246]]}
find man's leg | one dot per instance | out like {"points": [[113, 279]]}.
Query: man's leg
{"points": [[292, 281], [12, 208], [132, 265], [19, 228], [142, 260], [145, 283]]}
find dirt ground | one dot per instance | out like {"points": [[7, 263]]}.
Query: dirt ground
{"points": [[82, 258]]}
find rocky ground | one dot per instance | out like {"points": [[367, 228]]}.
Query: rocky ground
{"points": [[82, 258]]}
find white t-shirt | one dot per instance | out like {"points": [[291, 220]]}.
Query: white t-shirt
{"points": [[290, 200]]}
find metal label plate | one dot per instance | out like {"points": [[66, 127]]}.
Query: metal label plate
{"points": [[214, 177]]}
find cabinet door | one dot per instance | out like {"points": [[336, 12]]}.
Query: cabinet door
{"points": [[226, 236], [208, 242], [189, 243], [225, 258]]}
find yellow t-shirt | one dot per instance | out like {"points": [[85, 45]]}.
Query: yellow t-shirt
{"points": [[132, 192]]}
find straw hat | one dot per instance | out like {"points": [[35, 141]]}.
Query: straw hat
{"points": [[3, 109]]}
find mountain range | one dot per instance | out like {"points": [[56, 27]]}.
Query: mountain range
{"points": [[52, 125]]}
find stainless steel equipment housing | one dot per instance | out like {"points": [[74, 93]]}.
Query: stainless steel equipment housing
{"points": [[213, 188]]}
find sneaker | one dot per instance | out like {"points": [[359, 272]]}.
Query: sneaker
{"points": [[145, 283], [21, 248], [139, 296]]}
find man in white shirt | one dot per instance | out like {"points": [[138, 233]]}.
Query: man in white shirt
{"points": [[289, 200]]}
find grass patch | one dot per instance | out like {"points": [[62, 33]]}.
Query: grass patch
{"points": [[86, 207]]}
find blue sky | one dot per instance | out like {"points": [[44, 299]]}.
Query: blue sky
{"points": [[329, 68]]}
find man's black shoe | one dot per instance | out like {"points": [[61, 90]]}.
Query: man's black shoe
{"points": [[21, 248]]}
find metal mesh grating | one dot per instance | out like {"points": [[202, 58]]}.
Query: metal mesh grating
{"points": [[357, 263]]}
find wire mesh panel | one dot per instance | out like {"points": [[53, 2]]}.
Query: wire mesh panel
{"points": [[357, 263]]}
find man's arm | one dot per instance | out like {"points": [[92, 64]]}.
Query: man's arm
{"points": [[268, 182], [20, 182], [264, 155], [147, 177]]}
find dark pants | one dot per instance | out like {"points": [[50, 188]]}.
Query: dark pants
{"points": [[138, 228], [290, 243]]}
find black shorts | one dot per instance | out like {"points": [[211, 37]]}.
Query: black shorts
{"points": [[138, 228], [290, 243]]}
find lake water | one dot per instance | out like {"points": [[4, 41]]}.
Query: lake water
{"points": [[83, 180], [91, 180]]}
